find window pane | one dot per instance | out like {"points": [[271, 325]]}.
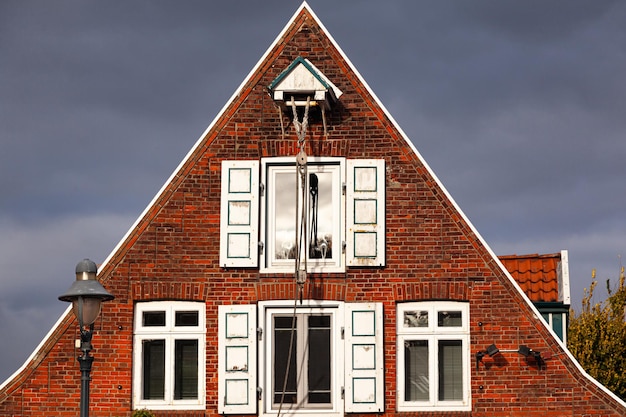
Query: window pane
{"points": [[282, 337], [153, 318], [320, 199], [186, 318], [450, 362], [185, 369], [449, 319], [321, 215], [557, 324], [416, 382], [153, 369], [416, 319], [319, 363], [285, 215]]}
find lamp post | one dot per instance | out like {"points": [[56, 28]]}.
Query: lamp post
{"points": [[86, 295]]}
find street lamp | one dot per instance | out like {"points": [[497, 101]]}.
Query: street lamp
{"points": [[86, 295]]}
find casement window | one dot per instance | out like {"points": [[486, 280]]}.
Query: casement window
{"points": [[324, 210], [432, 353], [340, 215], [169, 358], [303, 378], [319, 357]]}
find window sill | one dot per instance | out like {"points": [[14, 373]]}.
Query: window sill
{"points": [[432, 408], [303, 413], [172, 407]]}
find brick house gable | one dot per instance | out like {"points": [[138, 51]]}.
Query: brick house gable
{"points": [[433, 253]]}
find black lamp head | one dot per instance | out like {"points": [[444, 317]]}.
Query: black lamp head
{"points": [[492, 350], [86, 293], [524, 350]]}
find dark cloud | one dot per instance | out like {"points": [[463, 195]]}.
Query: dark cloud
{"points": [[535, 21], [517, 106]]}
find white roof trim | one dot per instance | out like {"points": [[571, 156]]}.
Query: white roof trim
{"points": [[564, 287], [404, 136]]}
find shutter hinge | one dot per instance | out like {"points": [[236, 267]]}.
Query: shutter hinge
{"points": [[343, 188], [261, 246], [343, 393], [262, 189], [343, 333], [259, 333], [259, 393], [343, 247]]}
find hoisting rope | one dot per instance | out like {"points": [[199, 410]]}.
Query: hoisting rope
{"points": [[300, 262], [301, 177], [301, 126]]}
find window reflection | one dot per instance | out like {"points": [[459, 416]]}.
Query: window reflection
{"points": [[416, 318], [321, 215], [285, 212], [320, 221]]}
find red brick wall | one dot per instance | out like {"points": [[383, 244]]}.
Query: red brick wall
{"points": [[432, 254]]}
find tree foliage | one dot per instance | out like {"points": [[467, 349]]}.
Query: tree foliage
{"points": [[597, 337]]}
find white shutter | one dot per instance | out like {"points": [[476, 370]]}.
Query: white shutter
{"points": [[364, 373], [365, 212], [239, 217], [237, 359]]}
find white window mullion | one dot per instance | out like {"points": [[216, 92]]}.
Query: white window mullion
{"points": [[432, 370], [169, 370]]}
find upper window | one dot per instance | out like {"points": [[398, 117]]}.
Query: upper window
{"points": [[432, 352], [314, 208], [169, 355], [337, 208]]}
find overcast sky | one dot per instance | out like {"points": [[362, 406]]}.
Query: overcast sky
{"points": [[519, 108]]}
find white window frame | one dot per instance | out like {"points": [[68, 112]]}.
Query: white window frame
{"points": [[432, 333], [170, 333], [266, 312], [272, 166]]}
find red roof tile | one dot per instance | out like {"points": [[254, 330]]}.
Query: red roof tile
{"points": [[536, 274]]}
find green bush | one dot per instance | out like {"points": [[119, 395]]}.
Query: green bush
{"points": [[142, 413]]}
